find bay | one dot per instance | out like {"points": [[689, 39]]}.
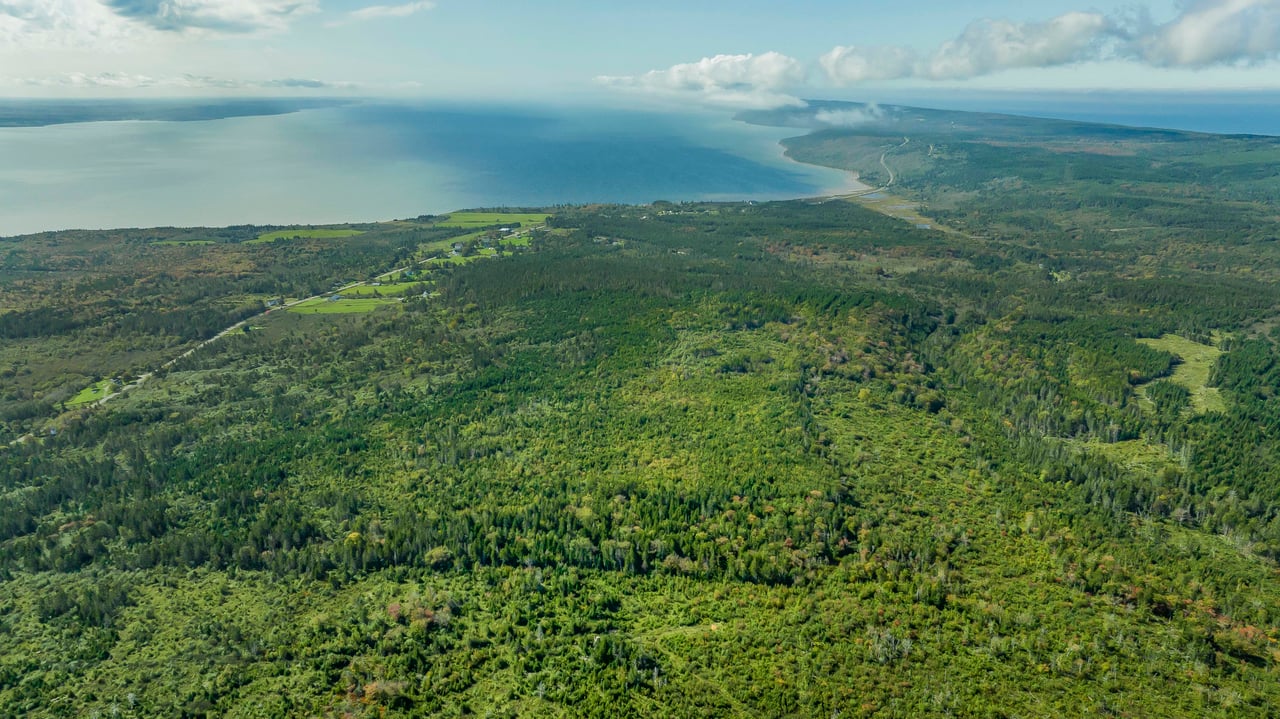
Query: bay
{"points": [[377, 161]]}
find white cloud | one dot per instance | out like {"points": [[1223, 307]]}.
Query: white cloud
{"points": [[739, 81], [985, 47], [130, 81], [851, 117], [853, 64], [228, 16], [120, 24], [1205, 33], [49, 24], [374, 12], [1214, 32], [988, 46]]}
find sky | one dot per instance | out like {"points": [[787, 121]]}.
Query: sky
{"points": [[740, 54]]}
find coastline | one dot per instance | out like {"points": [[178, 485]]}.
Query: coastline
{"points": [[852, 179]]}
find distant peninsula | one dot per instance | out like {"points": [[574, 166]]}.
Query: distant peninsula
{"points": [[41, 113]]}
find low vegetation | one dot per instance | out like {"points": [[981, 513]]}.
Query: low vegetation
{"points": [[93, 393], [1196, 361], [340, 304], [306, 233], [493, 219]]}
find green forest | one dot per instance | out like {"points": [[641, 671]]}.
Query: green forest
{"points": [[796, 458]]}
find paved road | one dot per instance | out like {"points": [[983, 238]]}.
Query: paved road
{"points": [[873, 190]]}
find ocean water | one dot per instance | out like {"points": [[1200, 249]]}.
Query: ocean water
{"points": [[378, 161]]}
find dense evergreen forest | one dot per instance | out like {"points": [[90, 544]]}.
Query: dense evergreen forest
{"points": [[685, 459]]}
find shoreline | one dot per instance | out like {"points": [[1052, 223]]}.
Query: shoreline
{"points": [[852, 179]]}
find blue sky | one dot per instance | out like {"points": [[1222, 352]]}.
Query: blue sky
{"points": [[748, 53]]}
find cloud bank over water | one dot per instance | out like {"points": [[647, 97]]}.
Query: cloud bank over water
{"points": [[1205, 34], [514, 48], [739, 81]]}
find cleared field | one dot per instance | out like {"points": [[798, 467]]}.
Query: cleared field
{"points": [[394, 289], [1133, 454], [325, 306], [1193, 372], [91, 394], [456, 259], [304, 233], [447, 244], [487, 219]]}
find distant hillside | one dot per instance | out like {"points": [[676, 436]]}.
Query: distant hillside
{"points": [[38, 113]]}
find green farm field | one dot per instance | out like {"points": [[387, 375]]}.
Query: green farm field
{"points": [[488, 219], [91, 394], [393, 289], [325, 306], [307, 234]]}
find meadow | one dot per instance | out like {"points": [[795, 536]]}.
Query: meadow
{"points": [[1193, 371], [93, 393], [491, 219], [327, 306], [305, 233]]}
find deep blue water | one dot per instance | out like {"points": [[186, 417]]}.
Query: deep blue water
{"points": [[377, 161], [225, 164]]}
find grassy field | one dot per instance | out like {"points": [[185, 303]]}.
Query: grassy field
{"points": [[1134, 454], [454, 260], [393, 289], [1193, 372], [325, 306], [305, 233], [91, 394], [487, 219], [408, 275]]}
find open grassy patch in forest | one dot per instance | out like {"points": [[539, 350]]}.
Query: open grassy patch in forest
{"points": [[451, 260], [445, 245], [304, 233], [92, 393], [1134, 454], [330, 306], [1193, 371], [390, 289], [487, 219]]}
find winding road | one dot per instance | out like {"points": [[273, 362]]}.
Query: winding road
{"points": [[873, 190]]}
